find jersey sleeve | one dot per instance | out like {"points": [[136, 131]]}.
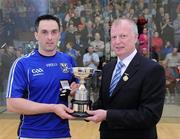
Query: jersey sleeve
{"points": [[17, 82]]}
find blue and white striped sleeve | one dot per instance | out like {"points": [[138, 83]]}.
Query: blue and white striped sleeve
{"points": [[17, 82]]}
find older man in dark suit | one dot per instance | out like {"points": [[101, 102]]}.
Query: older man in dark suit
{"points": [[132, 90]]}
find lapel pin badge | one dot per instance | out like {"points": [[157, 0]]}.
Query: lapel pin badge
{"points": [[125, 77]]}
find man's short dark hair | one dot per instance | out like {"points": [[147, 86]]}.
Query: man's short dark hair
{"points": [[45, 17]]}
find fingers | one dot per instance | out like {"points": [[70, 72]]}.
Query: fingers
{"points": [[64, 112], [67, 116], [67, 113], [72, 93], [97, 115], [74, 86], [92, 117], [69, 110], [91, 112]]}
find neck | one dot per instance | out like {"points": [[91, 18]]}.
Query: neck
{"points": [[47, 53]]}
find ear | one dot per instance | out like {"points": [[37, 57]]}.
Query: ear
{"points": [[136, 38], [36, 35]]}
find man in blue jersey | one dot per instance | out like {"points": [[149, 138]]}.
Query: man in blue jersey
{"points": [[36, 83]]}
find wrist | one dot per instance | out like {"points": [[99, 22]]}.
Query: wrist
{"points": [[105, 114], [52, 107]]}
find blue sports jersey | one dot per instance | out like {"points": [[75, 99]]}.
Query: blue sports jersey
{"points": [[37, 78]]}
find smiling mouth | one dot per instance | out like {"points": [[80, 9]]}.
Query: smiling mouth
{"points": [[119, 47]]}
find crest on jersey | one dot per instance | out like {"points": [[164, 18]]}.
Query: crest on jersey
{"points": [[64, 67]]}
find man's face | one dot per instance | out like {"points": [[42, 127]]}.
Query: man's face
{"points": [[123, 39], [47, 36]]}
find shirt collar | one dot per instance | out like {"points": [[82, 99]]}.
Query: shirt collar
{"points": [[128, 59]]}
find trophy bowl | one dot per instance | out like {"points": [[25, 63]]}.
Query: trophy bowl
{"points": [[81, 102]]}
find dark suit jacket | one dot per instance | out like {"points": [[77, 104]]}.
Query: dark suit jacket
{"points": [[136, 104]]}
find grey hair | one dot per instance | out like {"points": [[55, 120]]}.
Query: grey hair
{"points": [[120, 20]]}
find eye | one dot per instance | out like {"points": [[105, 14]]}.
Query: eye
{"points": [[113, 37], [54, 32], [123, 36], [45, 32]]}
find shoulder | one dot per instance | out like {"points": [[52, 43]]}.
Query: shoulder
{"points": [[65, 57], [22, 62], [25, 58], [149, 65], [86, 55]]}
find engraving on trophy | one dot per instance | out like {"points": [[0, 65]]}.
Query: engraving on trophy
{"points": [[81, 102]]}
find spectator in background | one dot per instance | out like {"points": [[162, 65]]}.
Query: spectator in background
{"points": [[7, 59], [89, 30], [159, 18], [141, 22], [143, 41], [82, 31], [19, 52], [9, 30], [81, 46], [91, 59], [98, 27], [145, 52], [168, 48], [71, 51], [154, 55], [98, 46], [75, 20], [70, 33], [167, 30], [171, 62], [69, 15], [79, 8], [178, 8], [172, 59], [157, 42], [176, 26]]}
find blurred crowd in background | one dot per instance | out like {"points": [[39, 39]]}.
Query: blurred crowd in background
{"points": [[85, 28]]}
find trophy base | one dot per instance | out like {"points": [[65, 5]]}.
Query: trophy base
{"points": [[80, 108], [80, 114]]}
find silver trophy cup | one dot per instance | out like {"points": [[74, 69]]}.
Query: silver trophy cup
{"points": [[81, 102]]}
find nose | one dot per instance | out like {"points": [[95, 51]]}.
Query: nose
{"points": [[49, 36]]}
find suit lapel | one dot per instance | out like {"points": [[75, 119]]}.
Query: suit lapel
{"points": [[130, 71]]}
